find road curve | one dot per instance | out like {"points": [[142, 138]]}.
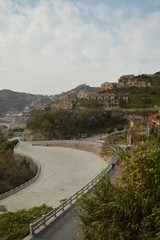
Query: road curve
{"points": [[63, 172]]}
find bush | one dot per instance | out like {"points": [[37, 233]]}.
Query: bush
{"points": [[129, 209], [120, 127], [108, 130], [15, 225]]}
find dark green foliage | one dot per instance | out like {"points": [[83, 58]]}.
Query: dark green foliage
{"points": [[64, 124], [129, 209], [15, 226], [7, 145], [143, 98], [108, 130], [120, 127], [14, 170]]}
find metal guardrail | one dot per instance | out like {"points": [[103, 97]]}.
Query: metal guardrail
{"points": [[17, 145], [70, 201], [24, 185]]}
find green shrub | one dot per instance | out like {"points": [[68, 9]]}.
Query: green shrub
{"points": [[108, 130], [129, 209], [14, 170], [120, 127], [15, 225]]}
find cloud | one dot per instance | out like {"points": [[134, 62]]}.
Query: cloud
{"points": [[154, 2], [55, 45]]}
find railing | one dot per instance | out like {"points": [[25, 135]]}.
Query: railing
{"points": [[17, 145], [24, 185], [70, 201]]}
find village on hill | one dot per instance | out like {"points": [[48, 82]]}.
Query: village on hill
{"points": [[122, 117], [113, 99]]}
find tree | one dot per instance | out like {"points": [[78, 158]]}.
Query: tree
{"points": [[129, 209], [47, 125]]}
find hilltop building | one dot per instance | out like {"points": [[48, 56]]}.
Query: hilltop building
{"points": [[126, 81], [132, 81], [108, 86]]}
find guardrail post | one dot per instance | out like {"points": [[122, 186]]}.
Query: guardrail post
{"points": [[63, 206], [55, 212], [77, 196], [31, 229], [71, 201], [44, 220]]}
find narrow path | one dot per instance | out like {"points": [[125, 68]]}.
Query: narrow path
{"points": [[65, 227], [63, 172]]}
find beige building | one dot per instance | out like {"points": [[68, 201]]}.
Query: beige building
{"points": [[65, 105], [83, 95], [92, 97], [111, 101], [108, 100], [108, 86], [131, 81]]}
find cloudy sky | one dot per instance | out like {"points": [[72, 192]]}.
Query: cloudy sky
{"points": [[51, 46]]}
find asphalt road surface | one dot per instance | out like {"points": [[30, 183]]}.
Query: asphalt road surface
{"points": [[64, 171], [65, 227]]}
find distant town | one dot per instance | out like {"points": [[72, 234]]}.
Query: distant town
{"points": [[109, 97]]}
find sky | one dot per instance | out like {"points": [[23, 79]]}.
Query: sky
{"points": [[51, 46]]}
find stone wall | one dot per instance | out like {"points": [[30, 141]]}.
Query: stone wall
{"points": [[76, 145]]}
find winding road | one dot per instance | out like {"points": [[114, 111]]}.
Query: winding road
{"points": [[66, 226], [63, 172]]}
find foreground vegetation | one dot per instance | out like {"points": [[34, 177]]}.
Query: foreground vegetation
{"points": [[14, 170], [15, 226], [129, 209], [62, 124]]}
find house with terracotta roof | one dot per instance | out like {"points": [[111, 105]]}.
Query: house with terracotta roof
{"points": [[154, 122], [137, 125], [155, 118]]}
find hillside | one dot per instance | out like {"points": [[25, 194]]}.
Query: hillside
{"points": [[83, 87], [72, 94], [138, 97], [145, 97], [148, 97], [17, 101]]}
